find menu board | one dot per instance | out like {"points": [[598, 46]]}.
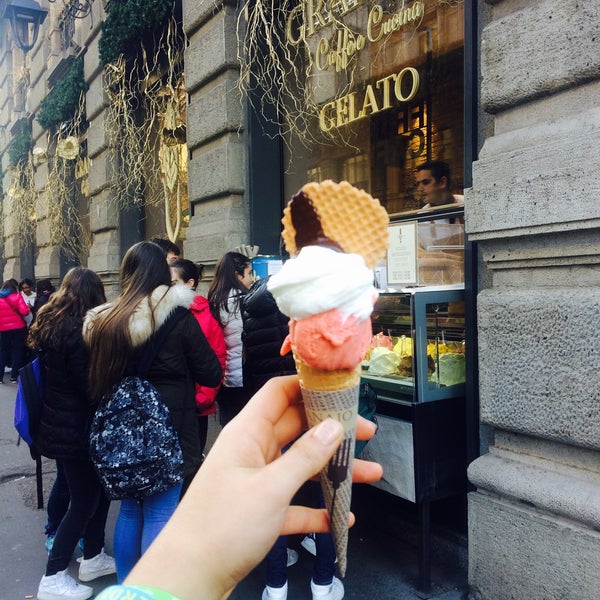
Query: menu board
{"points": [[402, 254]]}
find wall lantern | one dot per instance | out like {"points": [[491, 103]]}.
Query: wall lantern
{"points": [[25, 18]]}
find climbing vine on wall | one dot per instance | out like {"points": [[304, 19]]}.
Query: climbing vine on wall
{"points": [[22, 198], [67, 184], [62, 102], [145, 128], [21, 191]]}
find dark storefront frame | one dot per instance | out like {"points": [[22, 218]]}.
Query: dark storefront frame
{"points": [[265, 185]]}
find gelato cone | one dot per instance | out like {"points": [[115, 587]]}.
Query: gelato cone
{"points": [[335, 234], [334, 394]]}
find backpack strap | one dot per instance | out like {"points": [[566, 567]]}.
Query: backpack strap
{"points": [[157, 340]]}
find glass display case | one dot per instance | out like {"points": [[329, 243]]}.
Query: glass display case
{"points": [[417, 353], [416, 363]]}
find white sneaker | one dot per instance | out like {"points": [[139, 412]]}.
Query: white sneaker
{"points": [[308, 543], [271, 593], [62, 586], [292, 557], [98, 566], [333, 591]]}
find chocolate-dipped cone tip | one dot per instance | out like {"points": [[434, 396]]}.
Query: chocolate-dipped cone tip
{"points": [[337, 215]]}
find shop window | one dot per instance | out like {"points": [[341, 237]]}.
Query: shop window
{"points": [[387, 94]]}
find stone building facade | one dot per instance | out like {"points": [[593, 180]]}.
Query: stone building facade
{"points": [[532, 210], [218, 214]]}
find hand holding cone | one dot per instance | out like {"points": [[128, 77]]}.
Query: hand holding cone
{"points": [[340, 233]]}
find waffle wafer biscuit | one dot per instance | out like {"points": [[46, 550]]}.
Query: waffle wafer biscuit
{"points": [[350, 217]]}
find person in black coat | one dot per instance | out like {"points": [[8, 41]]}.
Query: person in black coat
{"points": [[264, 329], [63, 434]]}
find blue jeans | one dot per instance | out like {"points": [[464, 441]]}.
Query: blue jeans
{"points": [[324, 565], [137, 526]]}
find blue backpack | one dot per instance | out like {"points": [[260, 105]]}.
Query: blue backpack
{"points": [[28, 413], [133, 444], [28, 403]]}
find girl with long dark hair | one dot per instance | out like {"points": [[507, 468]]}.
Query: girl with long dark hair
{"points": [[56, 334], [233, 278], [117, 335]]}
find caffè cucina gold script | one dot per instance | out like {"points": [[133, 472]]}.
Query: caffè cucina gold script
{"points": [[338, 45]]}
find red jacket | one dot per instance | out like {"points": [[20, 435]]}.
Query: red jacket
{"points": [[205, 396], [12, 310]]}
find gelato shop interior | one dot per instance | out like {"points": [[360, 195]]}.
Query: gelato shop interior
{"points": [[373, 92]]}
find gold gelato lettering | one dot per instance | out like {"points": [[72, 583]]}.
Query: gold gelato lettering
{"points": [[344, 416], [342, 111]]}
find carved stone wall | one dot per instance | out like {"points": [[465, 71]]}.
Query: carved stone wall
{"points": [[534, 210], [216, 172]]}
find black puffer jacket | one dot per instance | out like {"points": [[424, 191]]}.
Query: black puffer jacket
{"points": [[66, 412], [265, 328], [185, 357]]}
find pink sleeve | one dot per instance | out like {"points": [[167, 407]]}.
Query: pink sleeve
{"points": [[21, 306]]}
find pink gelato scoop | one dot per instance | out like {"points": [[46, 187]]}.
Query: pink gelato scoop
{"points": [[328, 341]]}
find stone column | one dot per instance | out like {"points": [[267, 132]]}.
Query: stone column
{"points": [[534, 209], [105, 251], [215, 125]]}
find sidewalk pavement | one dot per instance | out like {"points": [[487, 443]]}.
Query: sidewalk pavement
{"points": [[382, 560]]}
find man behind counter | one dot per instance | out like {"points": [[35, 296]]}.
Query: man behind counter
{"points": [[432, 180], [440, 253]]}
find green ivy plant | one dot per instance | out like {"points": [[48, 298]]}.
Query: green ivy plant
{"points": [[127, 22], [62, 102], [20, 145]]}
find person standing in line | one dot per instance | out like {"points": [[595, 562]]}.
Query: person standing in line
{"points": [[265, 328], [58, 500], [185, 272], [171, 250], [117, 335], [233, 277], [43, 290], [13, 311], [29, 295], [56, 334]]}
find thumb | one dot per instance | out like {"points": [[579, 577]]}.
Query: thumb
{"points": [[307, 456]]}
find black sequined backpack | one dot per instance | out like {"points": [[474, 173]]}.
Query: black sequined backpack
{"points": [[133, 444]]}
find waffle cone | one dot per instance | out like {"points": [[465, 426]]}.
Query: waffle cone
{"points": [[348, 215], [334, 394]]}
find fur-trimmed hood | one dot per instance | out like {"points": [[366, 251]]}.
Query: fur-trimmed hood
{"points": [[162, 302]]}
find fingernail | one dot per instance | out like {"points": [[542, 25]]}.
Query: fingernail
{"points": [[328, 431]]}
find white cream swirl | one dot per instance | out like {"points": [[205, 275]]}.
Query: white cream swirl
{"points": [[319, 279]]}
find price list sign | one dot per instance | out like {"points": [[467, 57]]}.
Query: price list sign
{"points": [[402, 254]]}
